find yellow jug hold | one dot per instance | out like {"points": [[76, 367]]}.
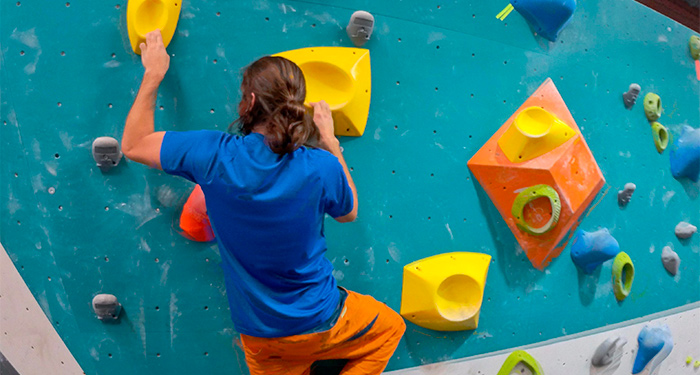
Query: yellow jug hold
{"points": [[144, 16], [343, 78], [534, 132], [444, 292]]}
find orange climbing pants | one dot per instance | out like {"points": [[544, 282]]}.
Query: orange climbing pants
{"points": [[367, 333]]}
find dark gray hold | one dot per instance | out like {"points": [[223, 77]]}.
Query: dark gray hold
{"points": [[630, 97], [671, 260], [604, 354], [106, 307], [624, 196], [106, 152], [685, 230], [360, 27]]}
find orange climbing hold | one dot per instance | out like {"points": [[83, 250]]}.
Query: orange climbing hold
{"points": [[194, 220], [567, 166]]}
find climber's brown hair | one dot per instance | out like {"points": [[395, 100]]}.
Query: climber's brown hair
{"points": [[280, 89]]}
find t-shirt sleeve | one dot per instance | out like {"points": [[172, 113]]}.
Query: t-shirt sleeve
{"points": [[338, 199], [190, 154]]}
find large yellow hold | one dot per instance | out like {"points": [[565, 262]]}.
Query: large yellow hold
{"points": [[343, 78], [144, 16], [444, 292], [534, 132]]}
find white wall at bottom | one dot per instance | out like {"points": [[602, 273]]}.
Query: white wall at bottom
{"points": [[571, 355], [28, 340]]}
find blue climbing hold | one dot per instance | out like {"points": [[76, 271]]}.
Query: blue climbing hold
{"points": [[685, 158], [547, 17], [590, 249], [654, 343]]}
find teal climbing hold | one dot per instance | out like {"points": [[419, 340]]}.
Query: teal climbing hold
{"points": [[590, 249], [655, 344]]}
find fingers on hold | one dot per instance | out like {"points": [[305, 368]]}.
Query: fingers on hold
{"points": [[142, 46], [158, 36]]}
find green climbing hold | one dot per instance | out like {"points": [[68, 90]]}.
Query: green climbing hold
{"points": [[530, 194], [623, 275], [518, 362], [660, 134], [694, 44], [652, 106]]}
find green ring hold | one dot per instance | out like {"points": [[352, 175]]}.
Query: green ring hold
{"points": [[621, 287], [530, 194], [652, 106], [660, 134]]}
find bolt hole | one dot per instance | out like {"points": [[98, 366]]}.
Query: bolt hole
{"points": [[56, 156]]}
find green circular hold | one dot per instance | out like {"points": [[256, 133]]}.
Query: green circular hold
{"points": [[660, 134], [652, 106], [530, 194], [623, 275]]}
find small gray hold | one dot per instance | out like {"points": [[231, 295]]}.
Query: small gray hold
{"points": [[624, 196], [360, 27], [630, 97], [604, 354], [106, 307], [106, 152], [671, 260], [685, 230]]}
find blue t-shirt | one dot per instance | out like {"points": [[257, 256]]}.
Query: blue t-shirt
{"points": [[267, 211]]}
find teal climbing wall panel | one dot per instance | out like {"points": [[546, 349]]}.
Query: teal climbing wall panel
{"points": [[446, 74]]}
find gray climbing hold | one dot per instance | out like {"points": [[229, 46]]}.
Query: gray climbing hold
{"points": [[106, 307], [630, 97], [624, 196], [685, 230], [106, 152], [671, 260], [360, 27], [603, 356]]}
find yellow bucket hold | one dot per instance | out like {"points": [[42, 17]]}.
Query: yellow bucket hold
{"points": [[343, 78], [144, 16], [534, 132], [444, 292]]}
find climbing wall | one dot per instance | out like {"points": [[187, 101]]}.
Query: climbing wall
{"points": [[445, 76]]}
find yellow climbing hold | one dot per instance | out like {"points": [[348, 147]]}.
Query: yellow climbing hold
{"points": [[688, 360], [696, 364], [144, 16], [534, 132], [444, 292], [343, 78]]}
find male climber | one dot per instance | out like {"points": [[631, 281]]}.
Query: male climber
{"points": [[266, 195]]}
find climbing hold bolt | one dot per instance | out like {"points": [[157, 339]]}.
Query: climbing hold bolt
{"points": [[530, 194], [106, 307], [685, 230], [630, 97], [360, 27], [623, 275], [660, 134], [106, 152], [624, 196], [670, 260], [603, 356], [652, 106]]}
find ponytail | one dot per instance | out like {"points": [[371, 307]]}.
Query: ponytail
{"points": [[280, 89]]}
